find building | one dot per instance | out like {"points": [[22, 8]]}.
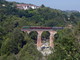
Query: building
{"points": [[26, 6], [3, 5]]}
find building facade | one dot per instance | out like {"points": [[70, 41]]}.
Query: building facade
{"points": [[26, 6]]}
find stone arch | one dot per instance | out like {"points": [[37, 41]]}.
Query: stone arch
{"points": [[33, 35], [45, 36], [39, 35]]}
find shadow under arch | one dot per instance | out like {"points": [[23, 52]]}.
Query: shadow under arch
{"points": [[56, 36], [33, 35], [45, 36]]}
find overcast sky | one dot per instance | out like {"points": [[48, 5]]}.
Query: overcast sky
{"points": [[58, 4]]}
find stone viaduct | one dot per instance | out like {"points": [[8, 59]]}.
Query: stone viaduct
{"points": [[40, 30]]}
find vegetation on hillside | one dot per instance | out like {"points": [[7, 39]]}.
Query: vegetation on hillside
{"points": [[16, 45]]}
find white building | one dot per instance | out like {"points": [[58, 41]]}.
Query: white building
{"points": [[26, 6], [3, 5]]}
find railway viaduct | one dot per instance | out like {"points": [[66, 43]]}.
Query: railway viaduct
{"points": [[40, 30]]}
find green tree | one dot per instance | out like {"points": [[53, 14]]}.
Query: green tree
{"points": [[29, 52], [65, 46], [13, 43]]}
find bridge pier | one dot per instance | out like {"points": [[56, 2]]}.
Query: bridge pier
{"points": [[39, 41], [52, 33], [27, 32]]}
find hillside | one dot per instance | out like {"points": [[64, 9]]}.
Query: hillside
{"points": [[16, 45]]}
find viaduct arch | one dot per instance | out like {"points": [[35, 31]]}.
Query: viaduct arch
{"points": [[40, 30]]}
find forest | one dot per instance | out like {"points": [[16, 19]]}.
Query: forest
{"points": [[16, 45]]}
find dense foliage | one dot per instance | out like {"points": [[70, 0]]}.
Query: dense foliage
{"points": [[67, 45], [16, 45]]}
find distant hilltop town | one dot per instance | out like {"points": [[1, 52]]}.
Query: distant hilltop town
{"points": [[26, 6]]}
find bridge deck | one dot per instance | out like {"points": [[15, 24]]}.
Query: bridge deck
{"points": [[36, 29], [28, 28]]}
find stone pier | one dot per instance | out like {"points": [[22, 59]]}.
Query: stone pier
{"points": [[52, 33], [39, 41]]}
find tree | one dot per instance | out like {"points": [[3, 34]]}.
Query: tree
{"points": [[29, 52], [13, 43], [65, 46], [42, 6]]}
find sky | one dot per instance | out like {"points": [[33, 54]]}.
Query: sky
{"points": [[56, 4]]}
